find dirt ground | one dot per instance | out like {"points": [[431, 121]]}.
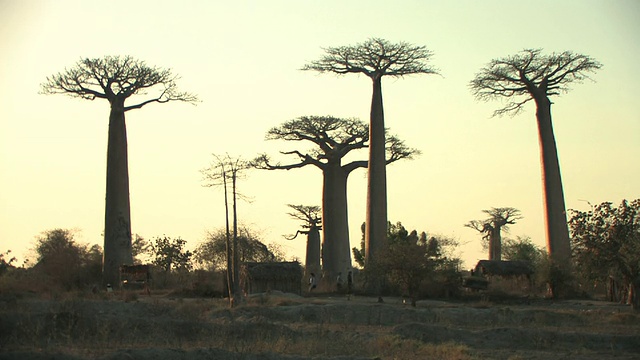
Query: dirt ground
{"points": [[286, 326]]}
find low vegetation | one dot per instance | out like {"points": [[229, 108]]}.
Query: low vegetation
{"points": [[275, 325], [57, 308]]}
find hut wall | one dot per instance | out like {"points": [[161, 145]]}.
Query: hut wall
{"points": [[263, 277]]}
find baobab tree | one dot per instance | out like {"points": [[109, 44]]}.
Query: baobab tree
{"points": [[223, 170], [117, 79], [531, 75], [375, 58], [333, 138], [499, 219], [311, 225]]}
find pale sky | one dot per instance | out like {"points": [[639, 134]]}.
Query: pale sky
{"points": [[242, 58]]}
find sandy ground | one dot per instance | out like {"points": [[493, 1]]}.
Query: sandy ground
{"points": [[286, 326]]}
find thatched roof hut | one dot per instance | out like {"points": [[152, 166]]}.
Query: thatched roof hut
{"points": [[259, 277], [503, 268]]}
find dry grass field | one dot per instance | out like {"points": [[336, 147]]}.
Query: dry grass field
{"points": [[284, 326]]}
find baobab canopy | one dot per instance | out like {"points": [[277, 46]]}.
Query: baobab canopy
{"points": [[117, 77], [516, 77], [375, 57]]}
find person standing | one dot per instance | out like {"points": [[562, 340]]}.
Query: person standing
{"points": [[339, 282], [312, 281]]}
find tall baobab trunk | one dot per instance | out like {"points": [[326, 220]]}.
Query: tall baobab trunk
{"points": [[557, 231], [117, 224], [495, 244], [336, 253], [312, 259], [376, 218]]}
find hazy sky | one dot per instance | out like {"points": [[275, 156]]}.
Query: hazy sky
{"points": [[242, 58]]}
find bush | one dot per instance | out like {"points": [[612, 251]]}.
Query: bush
{"points": [[66, 263], [170, 254], [5, 264], [414, 265]]}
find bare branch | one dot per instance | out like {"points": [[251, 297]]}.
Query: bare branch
{"points": [[224, 167], [115, 77], [498, 218], [263, 162], [477, 225], [292, 237], [335, 138], [397, 150], [348, 168], [374, 58], [528, 75], [308, 214]]}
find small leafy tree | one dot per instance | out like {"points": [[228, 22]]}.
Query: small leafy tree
{"points": [[606, 243], [170, 254], [211, 254], [139, 248], [522, 249], [407, 260], [66, 262], [412, 259]]}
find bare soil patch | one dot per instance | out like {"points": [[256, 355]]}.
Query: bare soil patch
{"points": [[286, 326]]}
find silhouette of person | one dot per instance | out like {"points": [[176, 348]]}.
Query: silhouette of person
{"points": [[339, 282], [312, 282]]}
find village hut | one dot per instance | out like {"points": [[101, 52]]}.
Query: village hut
{"points": [[135, 276], [486, 269], [260, 277], [503, 268]]}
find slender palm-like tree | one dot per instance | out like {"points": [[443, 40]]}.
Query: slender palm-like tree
{"points": [[530, 75], [117, 79], [223, 171], [375, 58]]}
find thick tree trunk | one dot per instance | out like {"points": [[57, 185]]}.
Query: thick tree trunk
{"points": [[634, 294], [336, 251], [376, 217], [117, 227], [557, 231], [495, 245], [312, 260]]}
